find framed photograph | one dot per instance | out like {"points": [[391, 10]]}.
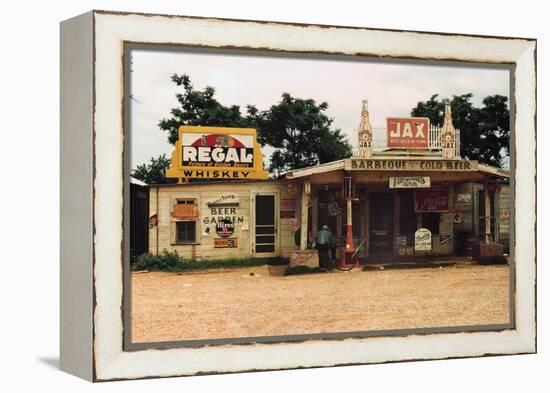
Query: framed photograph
{"points": [[249, 195]]}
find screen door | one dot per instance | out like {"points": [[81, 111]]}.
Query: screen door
{"points": [[265, 227]]}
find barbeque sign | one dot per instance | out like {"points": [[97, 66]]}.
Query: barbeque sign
{"points": [[216, 153], [408, 132]]}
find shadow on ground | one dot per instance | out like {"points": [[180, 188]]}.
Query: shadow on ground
{"points": [[52, 362]]}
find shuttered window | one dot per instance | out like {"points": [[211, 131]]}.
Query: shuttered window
{"points": [[185, 215]]}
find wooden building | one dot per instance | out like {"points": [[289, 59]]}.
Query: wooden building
{"points": [[223, 220], [410, 182], [139, 218], [455, 207]]}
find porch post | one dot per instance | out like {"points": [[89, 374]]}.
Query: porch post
{"points": [[396, 214], [487, 211], [306, 190], [314, 217], [396, 221], [348, 191], [367, 224], [451, 196], [496, 202], [349, 226]]}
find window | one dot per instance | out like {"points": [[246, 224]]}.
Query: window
{"points": [[186, 231], [184, 217]]}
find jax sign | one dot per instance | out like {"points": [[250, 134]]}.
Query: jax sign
{"points": [[408, 132], [216, 153]]}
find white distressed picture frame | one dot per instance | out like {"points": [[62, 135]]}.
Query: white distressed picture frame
{"points": [[92, 197]]}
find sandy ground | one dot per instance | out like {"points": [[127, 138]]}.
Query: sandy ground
{"points": [[222, 304]]}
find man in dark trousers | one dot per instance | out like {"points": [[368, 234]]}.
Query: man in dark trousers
{"points": [[323, 244]]}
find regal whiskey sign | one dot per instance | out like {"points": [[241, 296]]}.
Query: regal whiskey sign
{"points": [[217, 153]]}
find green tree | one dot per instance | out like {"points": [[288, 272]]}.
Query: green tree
{"points": [[201, 108], [484, 132], [154, 171], [300, 131]]}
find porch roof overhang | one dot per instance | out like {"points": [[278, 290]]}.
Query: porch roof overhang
{"points": [[379, 168]]}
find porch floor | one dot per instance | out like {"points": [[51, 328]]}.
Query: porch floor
{"points": [[417, 261]]}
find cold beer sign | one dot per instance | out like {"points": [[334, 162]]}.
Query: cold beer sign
{"points": [[408, 132], [216, 153]]}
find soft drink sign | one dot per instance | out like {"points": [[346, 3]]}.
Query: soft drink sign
{"points": [[408, 132]]}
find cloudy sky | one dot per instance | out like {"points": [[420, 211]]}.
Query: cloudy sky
{"points": [[392, 89]]}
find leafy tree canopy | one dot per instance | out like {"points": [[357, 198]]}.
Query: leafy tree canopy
{"points": [[201, 108], [154, 171], [484, 132], [298, 129]]}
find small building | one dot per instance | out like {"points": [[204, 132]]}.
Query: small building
{"points": [[403, 178], [139, 218]]}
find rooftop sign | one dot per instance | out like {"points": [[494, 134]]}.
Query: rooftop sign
{"points": [[408, 132], [409, 165], [217, 153]]}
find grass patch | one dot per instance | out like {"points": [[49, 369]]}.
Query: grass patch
{"points": [[170, 261], [289, 271]]}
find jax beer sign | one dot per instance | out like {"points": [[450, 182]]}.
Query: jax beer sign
{"points": [[217, 153], [408, 132]]}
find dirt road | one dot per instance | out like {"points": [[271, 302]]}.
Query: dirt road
{"points": [[171, 307]]}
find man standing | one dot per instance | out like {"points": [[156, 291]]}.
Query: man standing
{"points": [[323, 244]]}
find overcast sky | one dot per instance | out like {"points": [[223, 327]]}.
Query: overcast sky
{"points": [[391, 89]]}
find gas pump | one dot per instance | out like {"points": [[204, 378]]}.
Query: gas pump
{"points": [[348, 255]]}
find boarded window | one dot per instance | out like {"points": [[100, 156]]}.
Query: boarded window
{"points": [[185, 210], [185, 214]]}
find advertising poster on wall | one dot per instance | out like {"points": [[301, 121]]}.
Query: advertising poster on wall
{"points": [[422, 240], [432, 200]]}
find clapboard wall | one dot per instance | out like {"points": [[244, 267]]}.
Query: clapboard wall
{"points": [[162, 199]]}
